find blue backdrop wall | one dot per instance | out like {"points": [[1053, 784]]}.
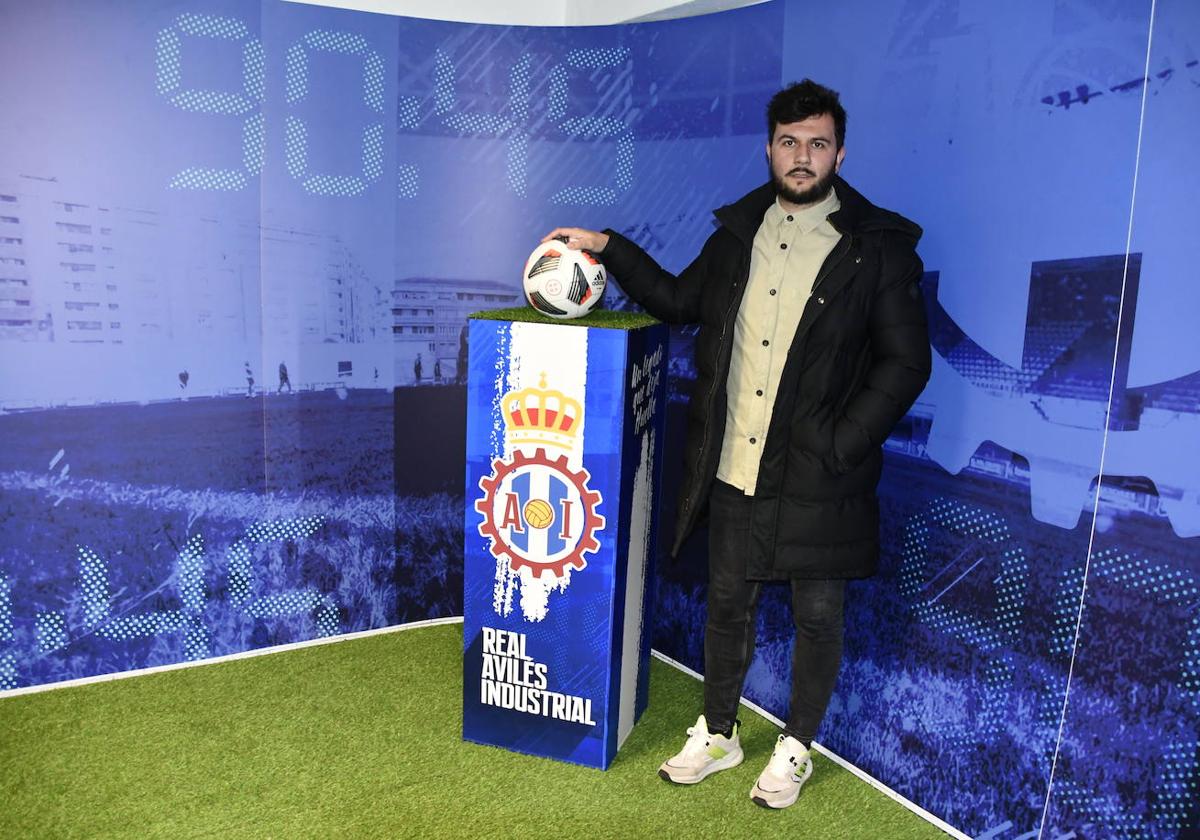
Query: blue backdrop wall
{"points": [[1028, 661], [238, 242]]}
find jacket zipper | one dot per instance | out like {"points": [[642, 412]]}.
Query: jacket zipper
{"points": [[712, 390], [829, 268], [687, 503]]}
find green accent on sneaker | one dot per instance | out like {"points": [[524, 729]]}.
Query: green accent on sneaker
{"points": [[717, 752]]}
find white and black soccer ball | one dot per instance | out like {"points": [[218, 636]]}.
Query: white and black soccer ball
{"points": [[563, 282]]}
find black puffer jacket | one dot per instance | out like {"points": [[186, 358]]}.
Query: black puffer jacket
{"points": [[859, 359]]}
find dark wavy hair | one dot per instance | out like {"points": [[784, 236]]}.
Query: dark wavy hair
{"points": [[801, 100]]}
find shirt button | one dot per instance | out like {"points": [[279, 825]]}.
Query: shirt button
{"points": [[772, 291], [783, 246], [789, 218], [766, 343], [758, 393], [821, 301], [752, 440]]}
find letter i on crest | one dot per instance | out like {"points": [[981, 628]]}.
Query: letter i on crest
{"points": [[535, 509]]}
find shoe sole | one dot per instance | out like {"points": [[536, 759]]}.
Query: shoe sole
{"points": [[708, 771], [760, 798], [762, 803]]}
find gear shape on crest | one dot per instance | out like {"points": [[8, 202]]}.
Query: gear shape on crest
{"points": [[590, 499]]}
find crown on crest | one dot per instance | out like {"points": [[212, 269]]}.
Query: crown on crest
{"points": [[541, 415]]}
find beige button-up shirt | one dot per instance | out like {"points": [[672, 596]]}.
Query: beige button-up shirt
{"points": [[789, 249]]}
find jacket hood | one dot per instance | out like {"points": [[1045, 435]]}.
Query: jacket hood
{"points": [[856, 215]]}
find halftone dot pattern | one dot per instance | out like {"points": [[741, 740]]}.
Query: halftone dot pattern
{"points": [[556, 99], [968, 521], [51, 628], [296, 147], [518, 82], [622, 177], [1176, 792], [195, 641], [212, 101], [169, 48], [208, 179], [211, 26], [445, 100], [445, 103], [8, 662], [343, 185], [6, 625], [8, 671], [142, 626], [296, 602], [445, 96], [1087, 806], [373, 80], [240, 573], [93, 584], [996, 633], [329, 40], [190, 570], [241, 581], [295, 83], [1160, 583], [254, 69], [284, 529], [600, 127], [518, 162], [254, 143], [373, 151], [335, 185], [166, 61], [408, 181], [518, 141], [408, 114], [169, 78], [598, 57], [408, 178], [296, 86], [478, 122]]}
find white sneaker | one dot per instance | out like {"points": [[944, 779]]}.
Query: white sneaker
{"points": [[789, 768], [702, 755]]}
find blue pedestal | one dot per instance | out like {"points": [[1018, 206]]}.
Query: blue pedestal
{"points": [[564, 442]]}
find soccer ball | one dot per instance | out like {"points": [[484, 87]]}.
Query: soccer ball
{"points": [[562, 282]]}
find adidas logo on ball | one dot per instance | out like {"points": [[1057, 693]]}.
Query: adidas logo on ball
{"points": [[562, 282]]}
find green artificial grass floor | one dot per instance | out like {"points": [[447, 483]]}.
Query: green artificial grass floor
{"points": [[362, 738]]}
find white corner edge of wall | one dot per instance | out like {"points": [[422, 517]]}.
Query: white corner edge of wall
{"points": [[538, 12], [525, 13], [230, 657]]}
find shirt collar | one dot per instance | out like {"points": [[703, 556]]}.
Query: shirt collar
{"points": [[807, 220]]}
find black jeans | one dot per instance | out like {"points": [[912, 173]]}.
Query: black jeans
{"points": [[817, 613]]}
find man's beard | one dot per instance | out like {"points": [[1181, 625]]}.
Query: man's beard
{"points": [[817, 191]]}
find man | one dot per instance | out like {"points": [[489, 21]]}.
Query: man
{"points": [[812, 345]]}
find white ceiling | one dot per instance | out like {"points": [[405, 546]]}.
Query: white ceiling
{"points": [[539, 12]]}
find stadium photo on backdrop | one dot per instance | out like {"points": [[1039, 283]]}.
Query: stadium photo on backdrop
{"points": [[747, 413]]}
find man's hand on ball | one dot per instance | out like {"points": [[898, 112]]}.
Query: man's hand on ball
{"points": [[580, 238]]}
